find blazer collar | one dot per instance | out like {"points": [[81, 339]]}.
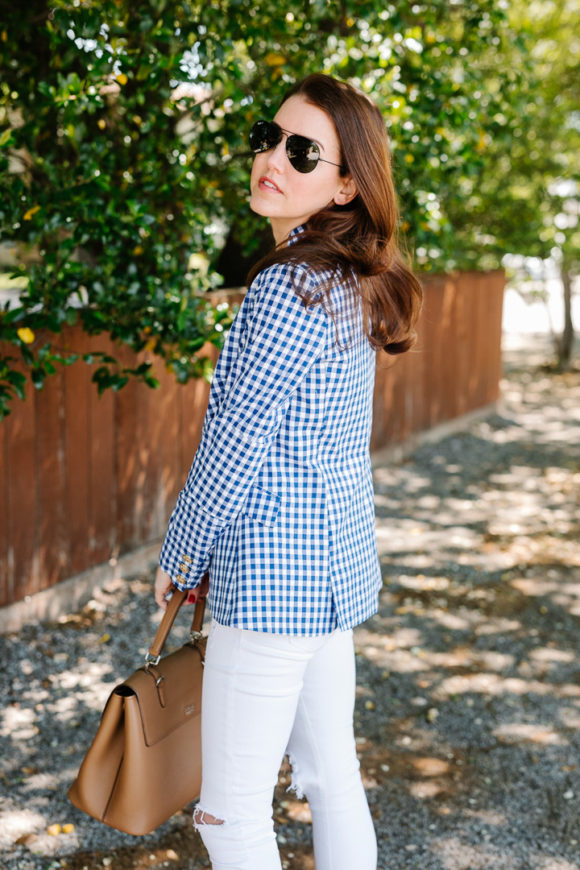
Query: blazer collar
{"points": [[294, 234]]}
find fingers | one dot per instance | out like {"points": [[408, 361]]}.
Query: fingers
{"points": [[199, 591], [162, 587], [161, 601]]}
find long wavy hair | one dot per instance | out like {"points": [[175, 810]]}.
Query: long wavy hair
{"points": [[358, 240]]}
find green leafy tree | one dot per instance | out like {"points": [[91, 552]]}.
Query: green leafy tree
{"points": [[527, 197], [427, 65], [124, 159], [97, 190]]}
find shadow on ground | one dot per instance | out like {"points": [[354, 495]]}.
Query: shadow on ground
{"points": [[468, 707]]}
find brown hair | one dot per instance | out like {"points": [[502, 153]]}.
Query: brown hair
{"points": [[360, 238]]}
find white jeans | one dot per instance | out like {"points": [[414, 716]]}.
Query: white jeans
{"points": [[265, 695]]}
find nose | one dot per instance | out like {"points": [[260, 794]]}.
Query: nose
{"points": [[277, 156]]}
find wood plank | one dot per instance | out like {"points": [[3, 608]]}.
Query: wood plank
{"points": [[389, 377], [450, 374], [481, 347], [461, 330], [421, 369], [167, 411], [148, 465], [77, 389], [128, 447], [102, 541], [194, 398], [377, 438], [413, 390], [495, 338], [50, 506], [6, 574], [433, 333], [401, 377], [21, 478]]}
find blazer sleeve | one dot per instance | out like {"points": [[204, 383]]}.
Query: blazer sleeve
{"points": [[282, 340]]}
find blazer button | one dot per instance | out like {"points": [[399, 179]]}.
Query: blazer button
{"points": [[184, 567]]}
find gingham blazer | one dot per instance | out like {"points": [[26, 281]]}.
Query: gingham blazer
{"points": [[279, 500]]}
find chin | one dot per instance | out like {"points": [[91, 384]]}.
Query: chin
{"points": [[258, 207]]}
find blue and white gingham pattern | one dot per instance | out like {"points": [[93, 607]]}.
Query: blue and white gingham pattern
{"points": [[279, 500]]}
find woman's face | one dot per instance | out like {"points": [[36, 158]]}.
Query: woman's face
{"points": [[284, 195]]}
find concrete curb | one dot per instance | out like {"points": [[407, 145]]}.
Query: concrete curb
{"points": [[397, 452], [72, 594]]}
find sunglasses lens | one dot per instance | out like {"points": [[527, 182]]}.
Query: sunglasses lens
{"points": [[303, 154], [264, 135]]}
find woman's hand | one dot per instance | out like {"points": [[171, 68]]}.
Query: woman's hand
{"points": [[163, 585]]}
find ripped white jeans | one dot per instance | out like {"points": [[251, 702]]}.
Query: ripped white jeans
{"points": [[265, 695]]}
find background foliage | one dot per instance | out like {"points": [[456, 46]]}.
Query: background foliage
{"points": [[125, 168], [528, 200]]}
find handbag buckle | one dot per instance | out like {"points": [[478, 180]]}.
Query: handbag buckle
{"points": [[195, 636], [151, 659]]}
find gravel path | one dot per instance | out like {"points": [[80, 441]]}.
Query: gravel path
{"points": [[468, 678]]}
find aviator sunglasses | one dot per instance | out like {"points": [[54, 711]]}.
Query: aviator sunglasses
{"points": [[303, 153]]}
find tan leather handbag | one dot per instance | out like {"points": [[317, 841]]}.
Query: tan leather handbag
{"points": [[145, 761]]}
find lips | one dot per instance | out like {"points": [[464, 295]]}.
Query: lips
{"points": [[266, 183]]}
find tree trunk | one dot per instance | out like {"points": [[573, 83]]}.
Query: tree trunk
{"points": [[566, 343]]}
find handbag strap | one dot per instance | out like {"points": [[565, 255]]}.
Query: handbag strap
{"points": [[175, 602]]}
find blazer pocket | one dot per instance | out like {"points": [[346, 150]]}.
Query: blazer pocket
{"points": [[262, 506]]}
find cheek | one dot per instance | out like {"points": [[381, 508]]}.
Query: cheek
{"points": [[259, 166], [255, 173], [313, 192]]}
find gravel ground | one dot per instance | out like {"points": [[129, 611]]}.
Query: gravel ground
{"points": [[468, 710]]}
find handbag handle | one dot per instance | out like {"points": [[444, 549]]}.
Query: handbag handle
{"points": [[175, 602]]}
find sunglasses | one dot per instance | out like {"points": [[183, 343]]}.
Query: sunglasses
{"points": [[303, 153]]}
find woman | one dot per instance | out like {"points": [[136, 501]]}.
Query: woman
{"points": [[278, 504]]}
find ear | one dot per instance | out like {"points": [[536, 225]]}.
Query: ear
{"points": [[347, 191]]}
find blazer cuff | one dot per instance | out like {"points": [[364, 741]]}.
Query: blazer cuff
{"points": [[187, 547]]}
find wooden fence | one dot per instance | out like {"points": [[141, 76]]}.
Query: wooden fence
{"points": [[84, 479]]}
